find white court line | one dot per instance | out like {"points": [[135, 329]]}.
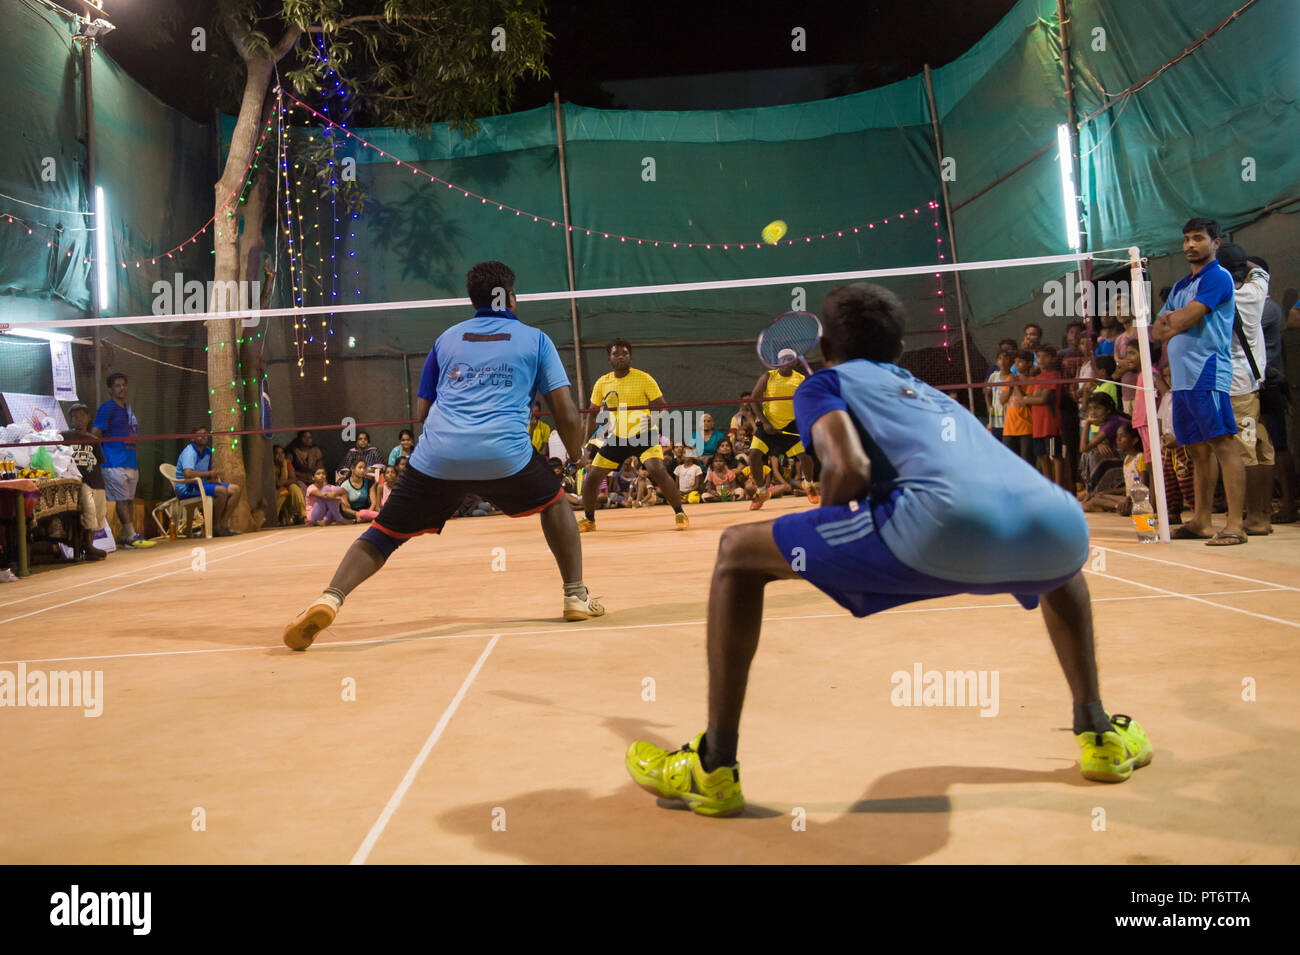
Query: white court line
{"points": [[1220, 573], [399, 793], [584, 629], [136, 583], [1210, 603], [96, 580]]}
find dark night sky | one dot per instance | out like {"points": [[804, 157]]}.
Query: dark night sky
{"points": [[595, 42]]}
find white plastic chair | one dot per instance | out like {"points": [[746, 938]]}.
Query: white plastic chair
{"points": [[178, 507]]}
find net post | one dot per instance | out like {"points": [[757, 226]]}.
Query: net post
{"points": [[1141, 321], [568, 250]]}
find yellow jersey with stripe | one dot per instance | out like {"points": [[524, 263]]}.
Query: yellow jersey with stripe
{"points": [[781, 413], [618, 396]]}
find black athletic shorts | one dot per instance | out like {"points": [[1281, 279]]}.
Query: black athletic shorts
{"points": [[420, 504], [780, 443], [617, 450]]}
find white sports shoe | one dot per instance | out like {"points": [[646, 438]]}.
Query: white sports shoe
{"points": [[580, 608]]}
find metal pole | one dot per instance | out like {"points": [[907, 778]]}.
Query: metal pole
{"points": [[1073, 120], [568, 253], [1141, 320], [87, 59], [952, 238]]}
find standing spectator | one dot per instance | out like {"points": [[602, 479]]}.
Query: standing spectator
{"points": [[305, 458], [1275, 420], [115, 419], [196, 462], [1073, 332], [89, 459], [1043, 399], [1196, 322], [1110, 329], [1180, 483], [539, 432], [405, 445], [364, 451], [291, 507], [1018, 419], [1128, 373], [1250, 292], [997, 396], [1033, 337]]}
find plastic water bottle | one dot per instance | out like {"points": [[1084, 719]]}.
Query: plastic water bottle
{"points": [[1144, 516]]}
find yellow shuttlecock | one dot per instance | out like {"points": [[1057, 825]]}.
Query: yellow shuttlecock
{"points": [[773, 231]]}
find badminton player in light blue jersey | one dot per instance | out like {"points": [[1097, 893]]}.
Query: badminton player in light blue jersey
{"points": [[918, 501], [475, 399]]}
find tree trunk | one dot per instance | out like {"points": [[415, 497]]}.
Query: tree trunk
{"points": [[225, 391], [252, 244]]}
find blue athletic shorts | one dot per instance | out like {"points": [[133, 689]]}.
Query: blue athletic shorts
{"points": [[864, 577], [190, 490], [1202, 415]]}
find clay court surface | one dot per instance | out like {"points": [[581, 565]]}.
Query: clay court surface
{"points": [[474, 704]]}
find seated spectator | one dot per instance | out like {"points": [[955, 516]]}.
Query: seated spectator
{"points": [[473, 506], [777, 485], [364, 451], [89, 459], [305, 458], [1134, 471], [689, 474], [401, 465], [360, 501], [390, 478], [1097, 453], [291, 506], [622, 484], [722, 483], [647, 492], [405, 445], [196, 462], [325, 501], [707, 439]]}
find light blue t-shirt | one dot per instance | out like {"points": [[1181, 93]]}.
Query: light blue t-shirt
{"points": [[968, 509], [1200, 359], [481, 376], [195, 460]]}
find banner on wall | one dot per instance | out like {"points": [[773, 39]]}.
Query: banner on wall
{"points": [[65, 384]]}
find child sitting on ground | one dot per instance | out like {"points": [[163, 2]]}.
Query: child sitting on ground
{"points": [[1135, 472], [722, 483], [1097, 450]]}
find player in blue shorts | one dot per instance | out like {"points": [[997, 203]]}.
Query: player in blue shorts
{"points": [[912, 486], [475, 399]]}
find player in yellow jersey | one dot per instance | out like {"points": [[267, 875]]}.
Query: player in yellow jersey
{"points": [[774, 432], [629, 430]]}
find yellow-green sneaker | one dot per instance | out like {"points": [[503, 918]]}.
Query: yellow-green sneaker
{"points": [[680, 775], [1112, 757]]}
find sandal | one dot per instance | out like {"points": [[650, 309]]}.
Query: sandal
{"points": [[1224, 539]]}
